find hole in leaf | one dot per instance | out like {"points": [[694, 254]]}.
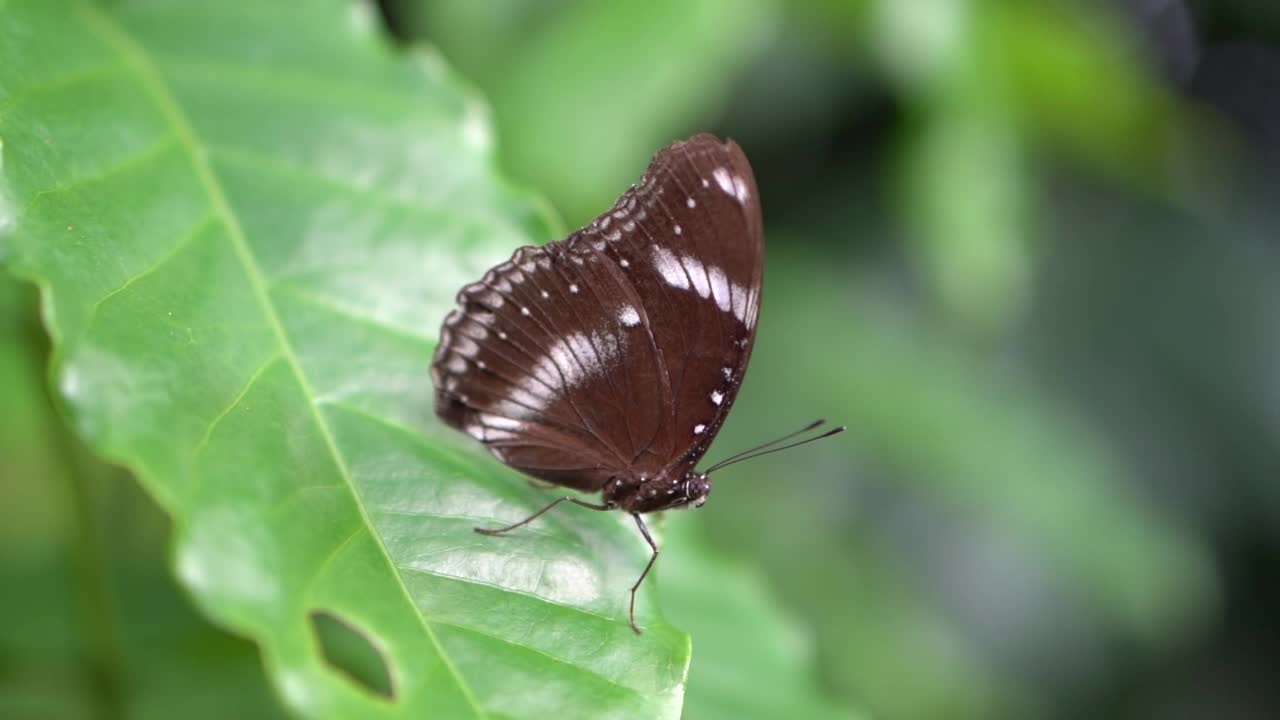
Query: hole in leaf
{"points": [[353, 653]]}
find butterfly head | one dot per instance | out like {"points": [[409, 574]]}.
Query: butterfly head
{"points": [[696, 487]]}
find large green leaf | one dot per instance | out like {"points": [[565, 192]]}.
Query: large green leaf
{"points": [[246, 221]]}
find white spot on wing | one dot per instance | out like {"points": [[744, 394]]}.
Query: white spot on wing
{"points": [[709, 281], [499, 422], [669, 268], [580, 346], [465, 346], [717, 397], [699, 428], [524, 311], [740, 302], [723, 180], [740, 189], [697, 274], [570, 361], [691, 202], [719, 287], [573, 288], [609, 345], [560, 355], [522, 401], [677, 230], [628, 316]]}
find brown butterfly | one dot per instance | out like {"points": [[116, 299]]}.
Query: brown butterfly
{"points": [[607, 361]]}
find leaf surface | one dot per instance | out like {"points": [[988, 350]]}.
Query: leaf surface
{"points": [[246, 221]]}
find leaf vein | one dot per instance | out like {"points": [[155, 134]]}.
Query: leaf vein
{"points": [[532, 532], [318, 574], [583, 669], [59, 83], [526, 593], [256, 160], [413, 434], [133, 162], [302, 84], [181, 244], [322, 303], [153, 83], [235, 402]]}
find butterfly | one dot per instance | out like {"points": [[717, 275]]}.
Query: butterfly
{"points": [[608, 361]]}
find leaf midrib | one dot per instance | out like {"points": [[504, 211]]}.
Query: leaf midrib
{"points": [[136, 59]]}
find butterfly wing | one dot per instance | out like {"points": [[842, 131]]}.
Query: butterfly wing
{"points": [[619, 350], [690, 240]]}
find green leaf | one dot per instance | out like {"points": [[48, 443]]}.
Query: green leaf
{"points": [[246, 222]]}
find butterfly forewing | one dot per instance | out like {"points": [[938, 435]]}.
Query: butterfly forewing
{"points": [[619, 350]]}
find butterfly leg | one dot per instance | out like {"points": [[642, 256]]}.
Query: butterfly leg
{"points": [[653, 558], [548, 506]]}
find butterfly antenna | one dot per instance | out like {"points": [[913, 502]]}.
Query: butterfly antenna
{"points": [[771, 443], [761, 450]]}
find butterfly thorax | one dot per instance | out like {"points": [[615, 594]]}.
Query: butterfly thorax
{"points": [[643, 494]]}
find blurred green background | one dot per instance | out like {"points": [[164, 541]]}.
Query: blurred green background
{"points": [[1027, 251]]}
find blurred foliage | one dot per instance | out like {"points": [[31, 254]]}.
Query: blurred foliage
{"points": [[749, 660], [1026, 250], [583, 89], [97, 628], [576, 113], [1029, 269]]}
